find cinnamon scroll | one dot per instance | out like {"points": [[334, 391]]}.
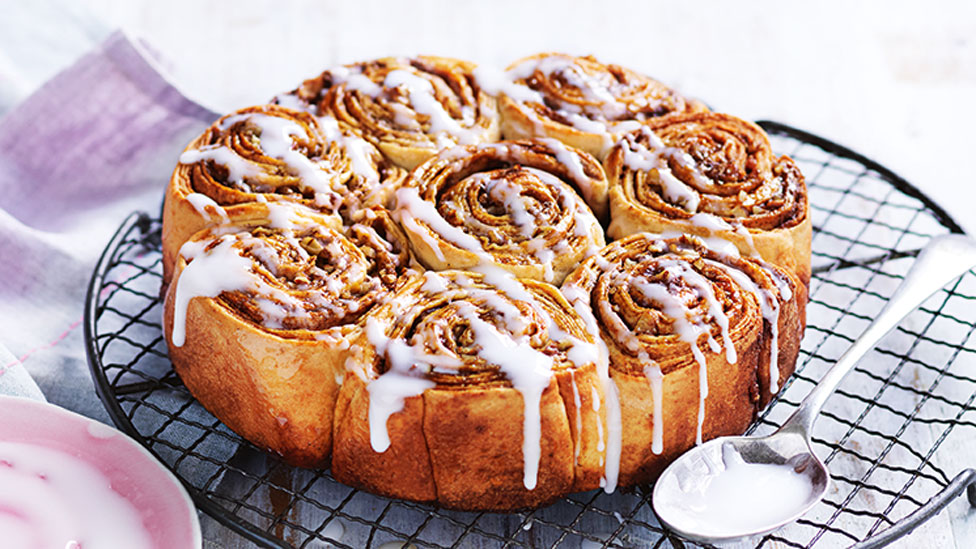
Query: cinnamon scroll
{"points": [[520, 205], [410, 108], [260, 314], [711, 174], [579, 100], [273, 154], [698, 340], [475, 391]]}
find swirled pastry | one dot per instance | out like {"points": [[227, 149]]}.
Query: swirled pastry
{"points": [[519, 205], [711, 174], [698, 340], [475, 391], [578, 100], [407, 328], [410, 108], [260, 314], [273, 154]]}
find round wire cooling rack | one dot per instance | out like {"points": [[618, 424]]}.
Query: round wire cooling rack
{"points": [[914, 394]]}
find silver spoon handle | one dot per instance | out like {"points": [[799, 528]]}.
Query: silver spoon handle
{"points": [[942, 260]]}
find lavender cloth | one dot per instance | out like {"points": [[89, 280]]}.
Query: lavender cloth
{"points": [[94, 143]]}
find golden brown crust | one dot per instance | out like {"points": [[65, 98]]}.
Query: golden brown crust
{"points": [[330, 171], [512, 204], [403, 470], [394, 112], [581, 101], [641, 332], [276, 391], [471, 421], [714, 164], [267, 355]]}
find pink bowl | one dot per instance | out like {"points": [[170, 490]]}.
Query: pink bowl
{"points": [[167, 513]]}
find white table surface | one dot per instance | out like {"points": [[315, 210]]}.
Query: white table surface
{"points": [[895, 81]]}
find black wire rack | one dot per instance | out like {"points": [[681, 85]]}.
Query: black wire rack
{"points": [[911, 396]]}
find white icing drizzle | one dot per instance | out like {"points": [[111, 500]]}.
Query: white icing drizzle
{"points": [[688, 331], [202, 202], [573, 162], [355, 80], [276, 140], [237, 168], [713, 223], [403, 379], [652, 371], [769, 306], [577, 402], [421, 95], [496, 82], [412, 207], [768, 301], [580, 354], [508, 193], [598, 117], [50, 498], [216, 265], [580, 300], [414, 212], [213, 271], [640, 157], [530, 372], [293, 102], [595, 396], [611, 470], [356, 148]]}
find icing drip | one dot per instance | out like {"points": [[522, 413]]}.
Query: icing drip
{"points": [[388, 392], [277, 138], [655, 157], [595, 396], [614, 432], [237, 168], [769, 306], [241, 262], [580, 300], [506, 346], [356, 148], [276, 135], [422, 218], [421, 95], [713, 223], [355, 80], [206, 207], [530, 372], [496, 82], [577, 402], [687, 329], [411, 207], [768, 301], [600, 115], [215, 270]]}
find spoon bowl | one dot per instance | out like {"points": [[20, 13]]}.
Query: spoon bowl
{"points": [[734, 487], [695, 473]]}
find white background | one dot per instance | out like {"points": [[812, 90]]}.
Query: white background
{"points": [[895, 81]]}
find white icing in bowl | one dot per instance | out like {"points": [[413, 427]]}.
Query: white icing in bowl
{"points": [[69, 481]]}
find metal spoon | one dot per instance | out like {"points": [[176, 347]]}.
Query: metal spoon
{"points": [[941, 261]]}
